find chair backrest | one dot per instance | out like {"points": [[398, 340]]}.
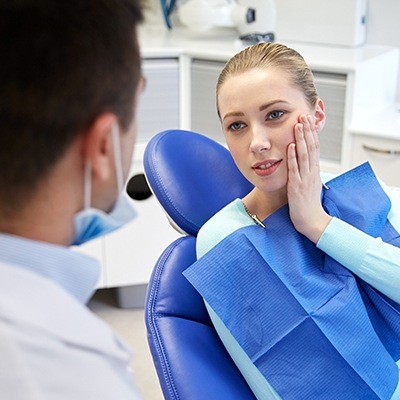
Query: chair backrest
{"points": [[192, 177]]}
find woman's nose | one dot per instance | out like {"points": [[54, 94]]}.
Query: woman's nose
{"points": [[259, 140]]}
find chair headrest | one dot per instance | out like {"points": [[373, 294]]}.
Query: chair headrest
{"points": [[192, 177]]}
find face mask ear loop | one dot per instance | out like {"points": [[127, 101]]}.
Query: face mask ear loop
{"points": [[87, 189], [118, 157]]}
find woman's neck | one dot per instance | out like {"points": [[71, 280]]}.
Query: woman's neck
{"points": [[263, 204]]}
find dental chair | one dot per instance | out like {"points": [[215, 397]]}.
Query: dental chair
{"points": [[192, 177]]}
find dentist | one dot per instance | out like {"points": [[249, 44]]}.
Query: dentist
{"points": [[70, 79]]}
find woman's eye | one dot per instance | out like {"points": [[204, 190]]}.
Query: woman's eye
{"points": [[275, 115], [236, 126]]}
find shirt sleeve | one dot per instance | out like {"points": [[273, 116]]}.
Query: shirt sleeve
{"points": [[374, 261]]}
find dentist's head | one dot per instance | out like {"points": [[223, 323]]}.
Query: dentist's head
{"points": [[70, 79]]}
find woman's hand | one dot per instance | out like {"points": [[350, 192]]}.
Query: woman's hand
{"points": [[304, 181]]}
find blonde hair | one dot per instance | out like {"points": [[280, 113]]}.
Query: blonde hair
{"points": [[276, 56]]}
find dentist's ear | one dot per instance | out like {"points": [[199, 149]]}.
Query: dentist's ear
{"points": [[319, 115], [99, 145]]}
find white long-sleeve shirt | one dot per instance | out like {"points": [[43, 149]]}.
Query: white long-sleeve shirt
{"points": [[52, 346]]}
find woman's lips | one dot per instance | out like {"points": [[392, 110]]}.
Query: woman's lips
{"points": [[266, 168]]}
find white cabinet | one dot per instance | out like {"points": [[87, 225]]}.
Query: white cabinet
{"points": [[376, 139], [159, 107], [203, 110], [332, 89], [383, 155]]}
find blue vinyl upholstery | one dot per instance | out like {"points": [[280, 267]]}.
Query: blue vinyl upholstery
{"points": [[192, 177]]}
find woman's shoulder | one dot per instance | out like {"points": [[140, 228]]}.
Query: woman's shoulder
{"points": [[326, 176], [226, 221]]}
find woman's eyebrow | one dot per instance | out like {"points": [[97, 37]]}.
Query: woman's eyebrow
{"points": [[233, 114], [271, 103], [261, 108]]}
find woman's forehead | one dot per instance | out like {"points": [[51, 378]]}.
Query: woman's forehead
{"points": [[266, 82], [258, 98], [256, 76]]}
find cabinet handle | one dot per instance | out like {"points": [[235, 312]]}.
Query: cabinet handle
{"points": [[381, 151]]}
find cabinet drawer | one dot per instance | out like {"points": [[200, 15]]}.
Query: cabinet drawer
{"points": [[331, 89], [159, 104], [204, 118], [383, 154]]}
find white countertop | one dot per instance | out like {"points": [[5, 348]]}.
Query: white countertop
{"points": [[385, 124], [221, 45]]}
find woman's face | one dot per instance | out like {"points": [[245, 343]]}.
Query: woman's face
{"points": [[259, 109]]}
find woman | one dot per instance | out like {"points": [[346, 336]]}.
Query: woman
{"points": [[271, 117]]}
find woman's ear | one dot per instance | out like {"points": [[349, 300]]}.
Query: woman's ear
{"points": [[319, 115]]}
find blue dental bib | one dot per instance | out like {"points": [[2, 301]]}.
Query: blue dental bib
{"points": [[313, 329]]}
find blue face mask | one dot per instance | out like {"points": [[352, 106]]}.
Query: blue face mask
{"points": [[92, 222]]}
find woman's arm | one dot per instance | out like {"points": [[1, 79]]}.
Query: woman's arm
{"points": [[374, 261]]}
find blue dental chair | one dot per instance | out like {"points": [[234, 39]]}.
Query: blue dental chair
{"points": [[192, 177]]}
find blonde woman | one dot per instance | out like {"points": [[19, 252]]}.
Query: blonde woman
{"points": [[293, 274]]}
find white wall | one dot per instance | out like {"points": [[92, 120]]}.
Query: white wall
{"points": [[383, 25]]}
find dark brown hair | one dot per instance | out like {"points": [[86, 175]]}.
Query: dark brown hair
{"points": [[63, 63]]}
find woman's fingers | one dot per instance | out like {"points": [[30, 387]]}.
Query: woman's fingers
{"points": [[307, 145], [293, 168], [301, 148], [312, 143]]}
